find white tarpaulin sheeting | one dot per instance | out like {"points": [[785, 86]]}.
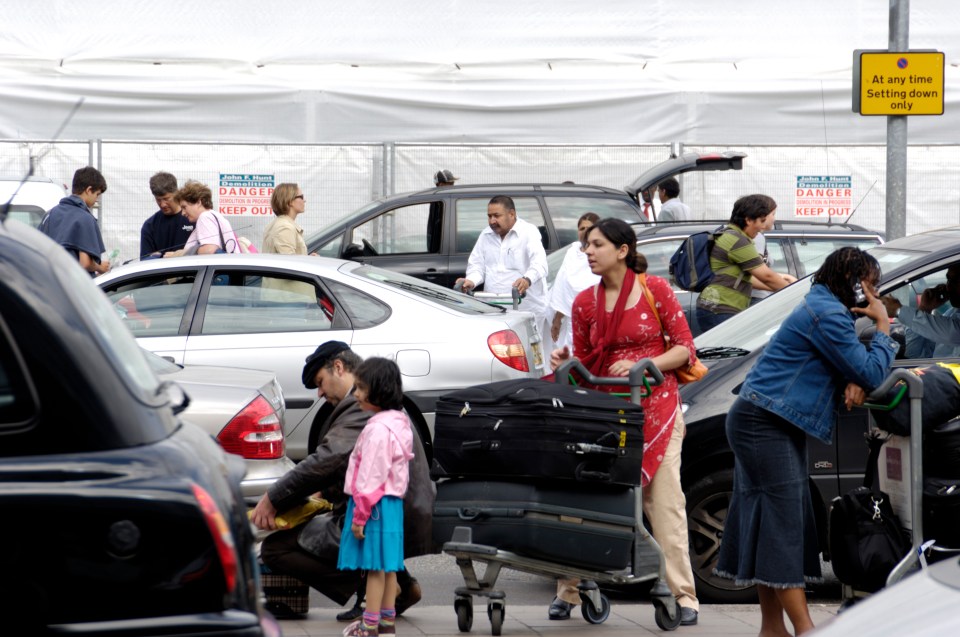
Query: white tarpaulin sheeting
{"points": [[558, 71]]}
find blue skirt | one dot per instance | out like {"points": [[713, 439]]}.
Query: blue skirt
{"points": [[770, 533], [381, 549]]}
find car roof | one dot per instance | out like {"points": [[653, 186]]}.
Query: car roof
{"points": [[937, 245], [261, 259], [786, 227]]}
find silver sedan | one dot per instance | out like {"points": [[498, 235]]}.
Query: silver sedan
{"points": [[243, 409], [271, 311]]}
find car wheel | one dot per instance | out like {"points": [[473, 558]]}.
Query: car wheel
{"points": [[707, 503]]}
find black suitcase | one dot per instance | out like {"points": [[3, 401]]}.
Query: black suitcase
{"points": [[531, 428], [569, 524]]}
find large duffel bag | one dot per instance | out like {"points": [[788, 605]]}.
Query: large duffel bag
{"points": [[941, 511], [568, 524], [531, 428]]}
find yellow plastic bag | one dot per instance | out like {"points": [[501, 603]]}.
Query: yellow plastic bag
{"points": [[300, 514]]}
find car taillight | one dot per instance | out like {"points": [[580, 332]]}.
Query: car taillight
{"points": [[255, 433], [509, 350], [222, 538]]}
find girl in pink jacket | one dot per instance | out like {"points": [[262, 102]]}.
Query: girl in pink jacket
{"points": [[377, 478]]}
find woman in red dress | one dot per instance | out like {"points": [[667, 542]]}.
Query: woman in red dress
{"points": [[614, 326]]}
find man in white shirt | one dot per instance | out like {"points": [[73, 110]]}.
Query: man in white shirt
{"points": [[509, 254], [672, 209]]}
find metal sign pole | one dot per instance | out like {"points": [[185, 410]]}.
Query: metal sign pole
{"points": [[896, 212]]}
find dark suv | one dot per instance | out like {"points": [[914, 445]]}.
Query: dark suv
{"points": [[909, 266], [118, 517], [429, 234]]}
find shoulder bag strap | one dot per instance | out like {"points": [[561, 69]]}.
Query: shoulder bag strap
{"points": [[642, 280]]}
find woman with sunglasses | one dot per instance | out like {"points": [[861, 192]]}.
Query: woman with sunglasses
{"points": [[283, 235]]}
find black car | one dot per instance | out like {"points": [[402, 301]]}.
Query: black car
{"points": [[429, 234], [118, 518], [909, 265]]}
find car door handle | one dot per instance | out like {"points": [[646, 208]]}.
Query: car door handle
{"points": [[169, 358]]}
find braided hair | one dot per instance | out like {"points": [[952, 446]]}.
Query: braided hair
{"points": [[843, 269], [619, 233]]}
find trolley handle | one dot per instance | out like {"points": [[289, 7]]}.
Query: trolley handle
{"points": [[515, 295], [913, 387], [639, 378]]}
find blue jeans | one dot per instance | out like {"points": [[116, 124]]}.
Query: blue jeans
{"points": [[709, 320]]}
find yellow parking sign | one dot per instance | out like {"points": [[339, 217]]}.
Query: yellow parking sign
{"points": [[905, 83]]}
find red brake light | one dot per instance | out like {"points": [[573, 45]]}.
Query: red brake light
{"points": [[222, 538], [255, 433], [508, 349]]}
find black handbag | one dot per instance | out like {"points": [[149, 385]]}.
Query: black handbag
{"points": [[865, 536]]}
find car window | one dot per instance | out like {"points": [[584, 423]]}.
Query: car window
{"points": [[114, 338], [18, 405], [813, 251], [414, 229], [331, 248], [928, 341], [152, 305], [565, 211], [658, 255], [472, 219], [364, 310], [251, 303], [776, 257]]}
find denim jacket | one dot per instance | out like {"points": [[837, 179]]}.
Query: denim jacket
{"points": [[807, 364]]}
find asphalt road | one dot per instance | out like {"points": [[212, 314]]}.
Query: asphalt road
{"points": [[439, 575]]}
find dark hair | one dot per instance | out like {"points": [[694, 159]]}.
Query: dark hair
{"points": [[844, 268], [619, 233], [504, 201], [88, 177], [350, 360], [751, 207], [670, 186], [381, 377], [163, 184], [195, 192], [592, 217]]}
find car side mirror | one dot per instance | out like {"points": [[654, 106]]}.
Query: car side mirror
{"points": [[352, 251]]}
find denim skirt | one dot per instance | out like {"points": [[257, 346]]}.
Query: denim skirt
{"points": [[381, 549], [770, 534]]}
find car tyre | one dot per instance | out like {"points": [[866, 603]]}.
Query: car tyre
{"points": [[707, 503]]}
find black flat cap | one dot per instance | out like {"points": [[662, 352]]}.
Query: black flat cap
{"points": [[316, 361]]}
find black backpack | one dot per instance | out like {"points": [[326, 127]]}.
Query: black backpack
{"points": [[690, 265]]}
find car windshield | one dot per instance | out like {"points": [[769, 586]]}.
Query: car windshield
{"points": [[753, 327], [425, 290]]}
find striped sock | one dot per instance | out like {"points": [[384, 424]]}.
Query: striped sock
{"points": [[388, 616], [370, 620]]}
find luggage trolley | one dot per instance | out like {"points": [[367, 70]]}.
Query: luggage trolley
{"points": [[915, 558], [647, 557]]}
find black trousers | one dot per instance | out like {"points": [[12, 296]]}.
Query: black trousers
{"points": [[282, 554]]}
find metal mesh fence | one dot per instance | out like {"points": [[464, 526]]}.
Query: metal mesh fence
{"points": [[338, 178]]}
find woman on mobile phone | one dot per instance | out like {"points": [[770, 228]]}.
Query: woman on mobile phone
{"points": [[814, 361]]}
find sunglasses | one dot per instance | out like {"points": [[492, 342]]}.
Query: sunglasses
{"points": [[299, 197]]}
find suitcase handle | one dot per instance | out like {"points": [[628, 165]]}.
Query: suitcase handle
{"points": [[596, 476], [475, 514]]}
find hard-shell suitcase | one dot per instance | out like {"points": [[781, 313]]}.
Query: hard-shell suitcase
{"points": [[531, 428], [567, 523]]}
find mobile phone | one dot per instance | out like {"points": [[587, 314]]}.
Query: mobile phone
{"points": [[860, 299]]}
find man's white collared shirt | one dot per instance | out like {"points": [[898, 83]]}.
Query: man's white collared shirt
{"points": [[498, 263]]}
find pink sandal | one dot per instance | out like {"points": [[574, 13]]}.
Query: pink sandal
{"points": [[357, 629]]}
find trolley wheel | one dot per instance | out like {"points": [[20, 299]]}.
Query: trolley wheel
{"points": [[464, 608], [495, 613], [662, 617], [595, 615]]}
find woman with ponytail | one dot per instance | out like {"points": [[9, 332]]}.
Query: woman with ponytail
{"points": [[614, 326], [814, 362]]}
